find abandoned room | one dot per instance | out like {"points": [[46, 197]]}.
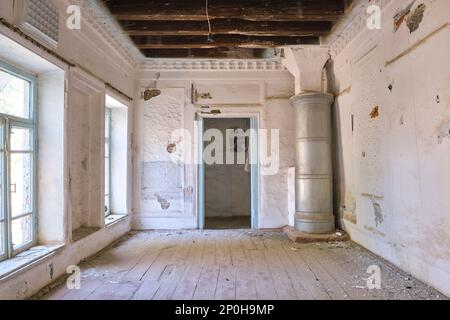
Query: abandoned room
{"points": [[224, 149]]}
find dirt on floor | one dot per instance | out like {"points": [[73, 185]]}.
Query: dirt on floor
{"points": [[237, 264]]}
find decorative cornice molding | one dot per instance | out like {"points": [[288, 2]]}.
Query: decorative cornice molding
{"points": [[351, 25], [98, 17], [212, 64]]}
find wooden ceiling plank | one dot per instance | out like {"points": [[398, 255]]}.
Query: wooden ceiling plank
{"points": [[155, 42], [269, 10], [242, 27]]}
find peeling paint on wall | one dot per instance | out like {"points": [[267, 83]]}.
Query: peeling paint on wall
{"points": [[413, 21], [51, 270], [401, 15], [444, 132], [375, 112], [163, 202], [171, 148], [378, 213]]}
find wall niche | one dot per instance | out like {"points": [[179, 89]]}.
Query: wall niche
{"points": [[86, 105]]}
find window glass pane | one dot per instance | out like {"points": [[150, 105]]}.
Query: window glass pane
{"points": [[107, 122], [21, 139], [107, 160], [21, 183], [14, 96], [107, 183], [107, 150], [22, 231], [107, 208]]}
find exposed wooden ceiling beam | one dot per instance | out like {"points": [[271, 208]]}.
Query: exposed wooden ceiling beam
{"points": [[152, 42], [239, 28], [228, 26], [254, 10]]}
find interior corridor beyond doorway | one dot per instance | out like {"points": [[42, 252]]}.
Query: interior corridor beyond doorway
{"points": [[228, 185]]}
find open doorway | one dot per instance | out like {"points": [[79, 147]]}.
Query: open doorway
{"points": [[228, 185]]}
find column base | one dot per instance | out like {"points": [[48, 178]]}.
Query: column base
{"points": [[303, 237], [316, 223]]}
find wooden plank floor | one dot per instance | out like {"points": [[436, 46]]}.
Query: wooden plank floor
{"points": [[235, 264]]}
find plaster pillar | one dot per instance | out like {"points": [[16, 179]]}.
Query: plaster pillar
{"points": [[313, 173]]}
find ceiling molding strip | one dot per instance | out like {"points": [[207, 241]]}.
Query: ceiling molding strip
{"points": [[213, 64]]}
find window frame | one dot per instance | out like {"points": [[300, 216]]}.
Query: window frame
{"points": [[8, 122], [108, 141]]}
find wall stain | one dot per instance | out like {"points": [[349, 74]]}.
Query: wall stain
{"points": [[51, 270], [84, 164], [378, 213], [444, 132], [163, 202], [375, 231]]}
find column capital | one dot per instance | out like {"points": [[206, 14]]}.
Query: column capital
{"points": [[306, 64]]}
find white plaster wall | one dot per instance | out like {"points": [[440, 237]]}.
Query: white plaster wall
{"points": [[393, 170], [51, 155], [173, 107]]}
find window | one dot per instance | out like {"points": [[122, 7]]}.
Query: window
{"points": [[116, 159], [107, 161], [17, 162]]}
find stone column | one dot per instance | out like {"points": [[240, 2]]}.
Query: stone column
{"points": [[313, 176]]}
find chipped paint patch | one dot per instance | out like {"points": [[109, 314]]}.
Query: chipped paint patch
{"points": [[51, 270], [375, 112], [171, 148], [414, 19], [444, 132], [163, 202], [401, 15], [378, 213]]}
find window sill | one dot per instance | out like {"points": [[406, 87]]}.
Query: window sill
{"points": [[25, 260], [114, 218]]}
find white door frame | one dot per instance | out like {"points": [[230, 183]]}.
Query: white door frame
{"points": [[254, 118]]}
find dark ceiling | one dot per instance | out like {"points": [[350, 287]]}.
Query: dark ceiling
{"points": [[239, 28]]}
